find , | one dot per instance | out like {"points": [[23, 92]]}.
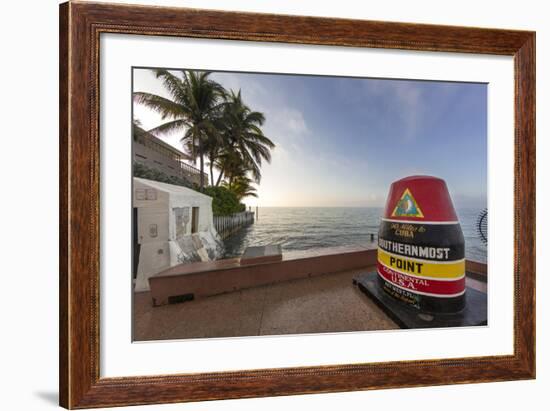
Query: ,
{"points": [[90, 31]]}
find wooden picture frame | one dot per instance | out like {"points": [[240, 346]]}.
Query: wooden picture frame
{"points": [[80, 27]]}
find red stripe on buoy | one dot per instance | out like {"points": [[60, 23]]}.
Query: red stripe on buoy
{"points": [[420, 198], [437, 288]]}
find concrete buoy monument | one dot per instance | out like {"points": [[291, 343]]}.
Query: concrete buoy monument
{"points": [[420, 278], [421, 246]]}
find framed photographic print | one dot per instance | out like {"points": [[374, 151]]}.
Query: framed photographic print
{"points": [[258, 205]]}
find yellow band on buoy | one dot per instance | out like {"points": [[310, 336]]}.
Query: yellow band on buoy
{"points": [[422, 268]]}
